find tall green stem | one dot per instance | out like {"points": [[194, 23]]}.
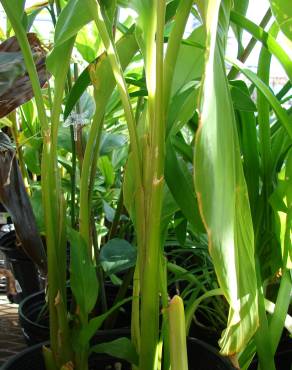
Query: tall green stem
{"points": [[173, 46], [153, 190]]}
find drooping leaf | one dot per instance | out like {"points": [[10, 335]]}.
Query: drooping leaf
{"points": [[120, 348], [117, 255], [83, 279], [14, 197], [282, 11], [15, 87], [221, 188]]}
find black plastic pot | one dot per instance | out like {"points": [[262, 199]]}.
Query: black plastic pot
{"points": [[22, 267], [34, 320], [201, 357], [32, 359]]}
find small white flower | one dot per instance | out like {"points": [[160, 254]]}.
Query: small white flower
{"points": [[76, 120]]}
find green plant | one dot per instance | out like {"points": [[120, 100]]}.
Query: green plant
{"points": [[241, 167]]}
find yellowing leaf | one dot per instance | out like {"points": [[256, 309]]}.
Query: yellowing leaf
{"points": [[221, 188]]}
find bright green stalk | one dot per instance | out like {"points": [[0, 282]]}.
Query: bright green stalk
{"points": [[49, 185], [129, 115], [153, 189], [173, 46], [93, 140], [48, 202], [177, 334], [262, 335], [281, 308]]}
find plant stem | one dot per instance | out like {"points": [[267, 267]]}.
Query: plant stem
{"points": [[173, 46], [252, 42], [14, 131], [153, 186], [79, 144], [262, 335]]}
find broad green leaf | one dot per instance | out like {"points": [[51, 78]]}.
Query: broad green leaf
{"points": [[126, 48], [241, 100], [246, 123], [117, 255], [120, 348], [88, 42], [178, 179], [73, 17], [221, 188], [190, 61], [64, 139], [282, 11], [37, 206], [63, 53], [83, 279], [110, 142], [32, 156], [180, 228]]}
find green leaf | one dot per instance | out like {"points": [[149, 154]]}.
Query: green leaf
{"points": [[37, 206], [221, 188], [83, 278], [241, 100], [88, 331], [265, 90], [72, 18], [117, 255], [180, 228], [107, 170], [190, 62], [266, 39], [179, 181], [126, 47], [32, 156], [247, 129], [59, 53], [121, 348], [110, 142], [88, 42], [5, 122], [282, 11], [240, 6]]}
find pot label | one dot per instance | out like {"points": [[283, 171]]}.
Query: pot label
{"points": [[18, 287]]}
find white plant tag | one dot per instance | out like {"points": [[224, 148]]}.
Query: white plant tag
{"points": [[18, 287]]}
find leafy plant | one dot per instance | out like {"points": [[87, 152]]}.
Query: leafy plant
{"points": [[186, 118]]}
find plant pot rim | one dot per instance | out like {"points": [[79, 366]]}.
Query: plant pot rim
{"points": [[24, 317], [7, 365]]}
